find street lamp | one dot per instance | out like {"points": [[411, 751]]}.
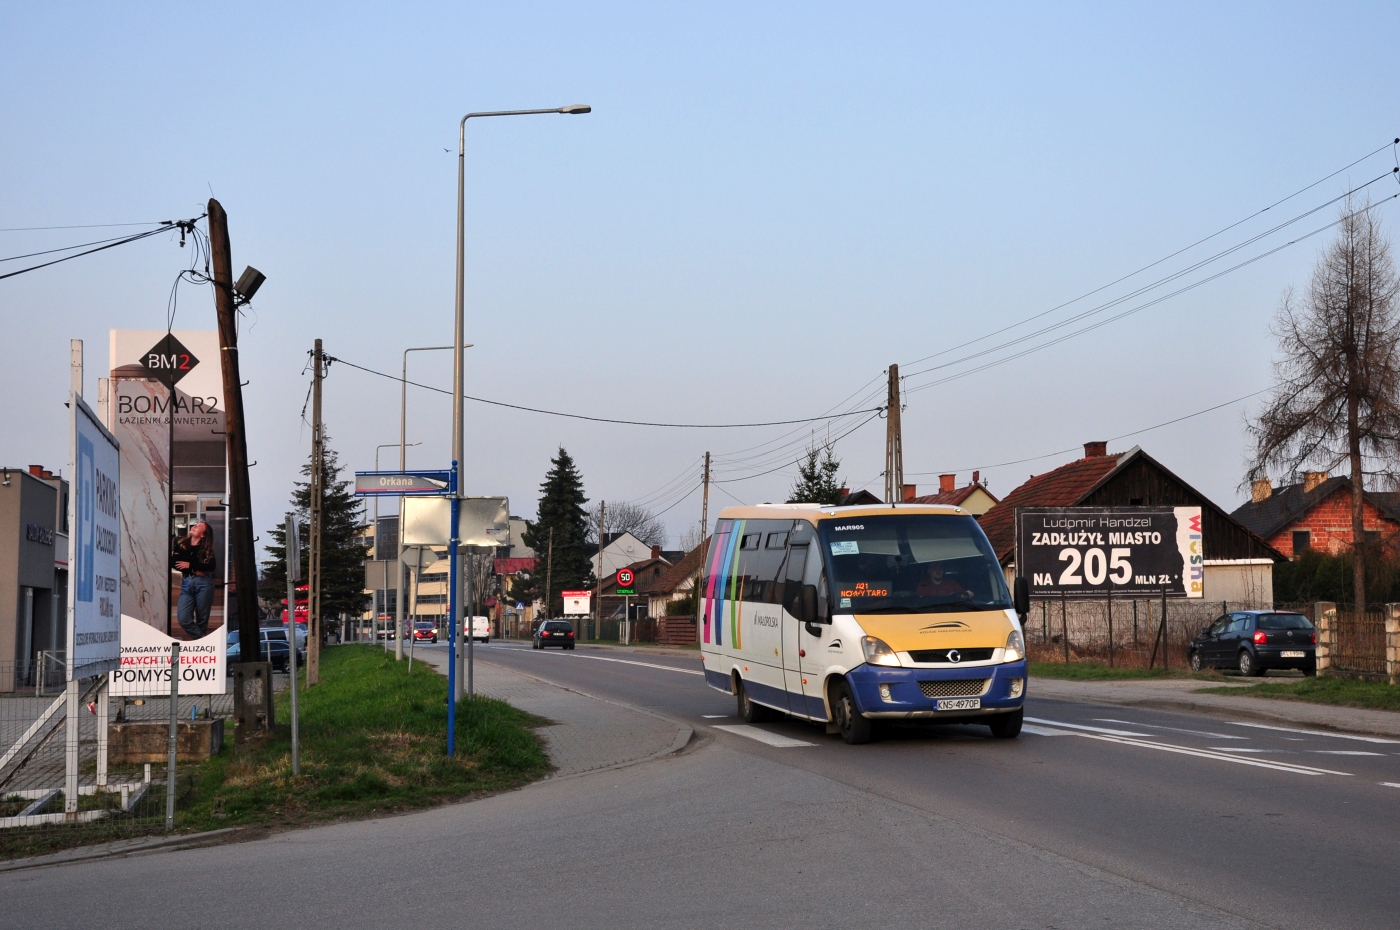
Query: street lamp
{"points": [[458, 333]]}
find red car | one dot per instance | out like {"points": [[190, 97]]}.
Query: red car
{"points": [[423, 631], [554, 633]]}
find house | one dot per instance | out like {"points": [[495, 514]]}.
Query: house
{"points": [[619, 551], [644, 572], [1238, 563], [1315, 514], [676, 582], [972, 497], [858, 498]]}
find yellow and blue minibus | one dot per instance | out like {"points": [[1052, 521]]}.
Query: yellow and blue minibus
{"points": [[850, 615]]}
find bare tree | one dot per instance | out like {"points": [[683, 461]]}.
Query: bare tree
{"points": [[691, 537], [629, 518], [1337, 393]]}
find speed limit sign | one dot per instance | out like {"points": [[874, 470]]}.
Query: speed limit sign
{"points": [[625, 578]]}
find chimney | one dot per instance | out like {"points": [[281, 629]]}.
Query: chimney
{"points": [[1093, 450], [1260, 490], [911, 491], [38, 470], [656, 552], [842, 493], [47, 474], [945, 483], [1312, 479], [977, 477]]}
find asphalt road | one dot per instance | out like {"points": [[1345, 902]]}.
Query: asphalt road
{"points": [[1289, 828], [1096, 816]]}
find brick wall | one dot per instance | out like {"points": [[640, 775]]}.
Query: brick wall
{"points": [[1330, 525]]}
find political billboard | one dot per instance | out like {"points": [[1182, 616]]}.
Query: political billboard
{"points": [[94, 513], [1094, 552]]}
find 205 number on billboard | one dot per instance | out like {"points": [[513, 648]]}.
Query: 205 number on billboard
{"points": [[1126, 551]]}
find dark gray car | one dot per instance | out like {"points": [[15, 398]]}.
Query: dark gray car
{"points": [[1254, 641]]}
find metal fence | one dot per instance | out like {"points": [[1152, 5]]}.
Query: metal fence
{"points": [[120, 792], [1122, 632]]}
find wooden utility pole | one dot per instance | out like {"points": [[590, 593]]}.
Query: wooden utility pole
{"points": [[313, 592], [598, 595], [894, 443], [240, 499], [704, 534]]}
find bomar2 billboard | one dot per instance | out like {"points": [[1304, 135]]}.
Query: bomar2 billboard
{"points": [[1080, 552]]}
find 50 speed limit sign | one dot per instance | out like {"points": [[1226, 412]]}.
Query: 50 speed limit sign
{"points": [[1095, 551], [625, 578]]}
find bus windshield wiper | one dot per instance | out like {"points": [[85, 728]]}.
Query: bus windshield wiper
{"points": [[950, 606]]}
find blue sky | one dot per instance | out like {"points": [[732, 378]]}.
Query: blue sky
{"points": [[768, 206]]}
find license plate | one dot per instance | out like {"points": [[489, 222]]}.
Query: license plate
{"points": [[960, 704], [1292, 653]]}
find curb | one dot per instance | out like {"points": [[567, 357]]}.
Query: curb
{"points": [[121, 849]]}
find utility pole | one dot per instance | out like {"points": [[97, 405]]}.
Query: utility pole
{"points": [[704, 534], [240, 498], [598, 607], [313, 591], [548, 575], [894, 443]]}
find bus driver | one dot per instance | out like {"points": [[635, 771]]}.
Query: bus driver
{"points": [[934, 584]]}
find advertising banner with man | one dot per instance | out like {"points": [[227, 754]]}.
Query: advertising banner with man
{"points": [[167, 410], [94, 513], [1083, 552]]}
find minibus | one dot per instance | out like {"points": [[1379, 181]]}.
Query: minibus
{"points": [[850, 615]]}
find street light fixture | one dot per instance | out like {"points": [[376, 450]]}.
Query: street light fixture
{"points": [[458, 451]]}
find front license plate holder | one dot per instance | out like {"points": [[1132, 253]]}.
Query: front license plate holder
{"points": [[959, 704], [1292, 654]]}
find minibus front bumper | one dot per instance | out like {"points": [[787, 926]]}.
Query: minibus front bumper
{"points": [[885, 693]]}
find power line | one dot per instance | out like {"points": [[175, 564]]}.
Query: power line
{"points": [[82, 226], [579, 416], [792, 462], [100, 248]]}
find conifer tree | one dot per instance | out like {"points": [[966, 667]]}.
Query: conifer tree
{"points": [[816, 477], [560, 509], [342, 554]]}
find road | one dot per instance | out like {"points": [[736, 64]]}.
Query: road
{"points": [[1282, 827], [1095, 816]]}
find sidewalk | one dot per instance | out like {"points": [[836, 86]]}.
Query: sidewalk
{"points": [[587, 733], [1178, 694]]}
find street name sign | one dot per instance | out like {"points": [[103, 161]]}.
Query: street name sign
{"points": [[407, 483]]}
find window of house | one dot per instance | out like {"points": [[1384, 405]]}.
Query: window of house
{"points": [[1302, 541], [1373, 537]]}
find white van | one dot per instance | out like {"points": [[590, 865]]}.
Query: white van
{"points": [[848, 615], [481, 629]]}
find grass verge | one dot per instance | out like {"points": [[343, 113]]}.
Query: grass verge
{"points": [[373, 741], [1344, 692]]}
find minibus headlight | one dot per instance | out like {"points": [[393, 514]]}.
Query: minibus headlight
{"points": [[1015, 647], [877, 653]]}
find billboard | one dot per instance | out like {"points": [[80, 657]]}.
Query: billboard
{"points": [[1080, 552], [94, 513], [577, 603]]}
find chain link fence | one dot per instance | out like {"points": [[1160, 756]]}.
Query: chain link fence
{"points": [[1126, 632], [120, 792]]}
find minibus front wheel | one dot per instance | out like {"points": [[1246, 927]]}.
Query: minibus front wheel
{"points": [[854, 728], [748, 710]]}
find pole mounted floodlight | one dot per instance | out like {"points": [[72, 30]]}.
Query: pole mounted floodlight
{"points": [[248, 283], [573, 108]]}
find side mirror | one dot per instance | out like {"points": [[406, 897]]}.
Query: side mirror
{"points": [[1205, 631], [807, 604], [1021, 597]]}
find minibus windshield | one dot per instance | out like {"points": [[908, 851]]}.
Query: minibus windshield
{"points": [[911, 563]]}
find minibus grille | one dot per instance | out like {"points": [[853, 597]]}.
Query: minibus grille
{"points": [[941, 655], [957, 687]]}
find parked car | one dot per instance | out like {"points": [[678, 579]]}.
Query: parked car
{"points": [[481, 629], [554, 633], [1254, 641], [425, 631], [274, 649]]}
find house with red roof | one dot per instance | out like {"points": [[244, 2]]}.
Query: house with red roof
{"points": [[1238, 563], [972, 497]]}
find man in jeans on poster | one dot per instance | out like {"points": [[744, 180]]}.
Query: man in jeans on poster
{"points": [[193, 556]]}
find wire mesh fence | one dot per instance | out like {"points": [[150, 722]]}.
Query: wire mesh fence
{"points": [[1128, 633], [118, 747]]}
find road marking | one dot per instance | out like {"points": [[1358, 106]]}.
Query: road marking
{"points": [[763, 736], [1345, 752], [1081, 726], [1153, 726], [1108, 737], [1263, 726], [1391, 784], [715, 716], [1238, 749], [1043, 731], [668, 668]]}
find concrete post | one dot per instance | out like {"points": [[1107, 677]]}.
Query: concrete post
{"points": [[1392, 642], [1325, 619]]}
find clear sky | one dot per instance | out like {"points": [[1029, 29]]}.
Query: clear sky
{"points": [[769, 204]]}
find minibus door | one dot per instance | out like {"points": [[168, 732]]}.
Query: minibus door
{"points": [[792, 626]]}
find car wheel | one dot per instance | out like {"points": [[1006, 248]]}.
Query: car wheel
{"points": [[486, 641], [1006, 726], [1197, 664], [570, 646], [854, 728], [1248, 667], [1310, 672], [748, 710]]}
